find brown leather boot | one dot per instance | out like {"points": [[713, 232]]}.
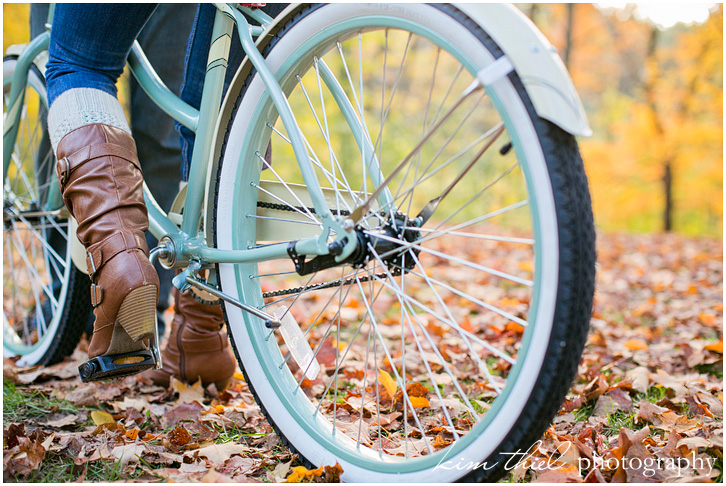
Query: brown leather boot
{"points": [[101, 182], [197, 346]]}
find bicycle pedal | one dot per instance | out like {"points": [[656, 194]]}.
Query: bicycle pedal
{"points": [[117, 365]]}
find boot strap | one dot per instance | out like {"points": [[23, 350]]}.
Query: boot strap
{"points": [[99, 254], [68, 164]]}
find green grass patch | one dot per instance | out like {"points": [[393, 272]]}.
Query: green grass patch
{"points": [[21, 404], [617, 420]]}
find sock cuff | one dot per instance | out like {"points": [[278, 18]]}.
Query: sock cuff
{"points": [[79, 107]]}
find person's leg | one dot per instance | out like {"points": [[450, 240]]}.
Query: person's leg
{"points": [[163, 40], [100, 178], [195, 67], [198, 348]]}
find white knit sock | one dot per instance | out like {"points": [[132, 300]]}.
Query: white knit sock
{"points": [[79, 107]]}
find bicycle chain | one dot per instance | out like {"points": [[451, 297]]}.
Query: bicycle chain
{"points": [[323, 285]]}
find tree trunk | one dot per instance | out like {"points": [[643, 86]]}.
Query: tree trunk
{"points": [[568, 34], [650, 97], [668, 191]]}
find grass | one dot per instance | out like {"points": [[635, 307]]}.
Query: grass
{"points": [[22, 405], [619, 419], [27, 406]]}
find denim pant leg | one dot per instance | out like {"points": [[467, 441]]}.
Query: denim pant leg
{"points": [[164, 40], [89, 44], [195, 67]]}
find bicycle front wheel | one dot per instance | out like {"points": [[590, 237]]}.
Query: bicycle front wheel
{"points": [[45, 298], [452, 338]]}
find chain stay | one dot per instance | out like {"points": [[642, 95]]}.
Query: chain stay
{"points": [[324, 285]]}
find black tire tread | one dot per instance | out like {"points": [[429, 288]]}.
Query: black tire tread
{"points": [[576, 273], [77, 305]]}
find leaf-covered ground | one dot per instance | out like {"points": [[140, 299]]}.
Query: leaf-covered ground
{"points": [[647, 404]]}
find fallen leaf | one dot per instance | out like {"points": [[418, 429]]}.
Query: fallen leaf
{"points": [[332, 473], [715, 347], [419, 402], [388, 383], [128, 454], [300, 472], [693, 442], [636, 344], [139, 404], [185, 411], [178, 438], [24, 458], [640, 378], [219, 453], [100, 417], [188, 393]]}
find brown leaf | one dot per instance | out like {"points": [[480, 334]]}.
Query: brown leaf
{"points": [[185, 411], [178, 438], [12, 433], [83, 396], [332, 473], [596, 387], [24, 458], [560, 474], [649, 412], [615, 399]]}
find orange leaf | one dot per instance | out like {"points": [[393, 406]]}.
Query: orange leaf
{"points": [[707, 319], [300, 472], [715, 347], [636, 344], [419, 402]]}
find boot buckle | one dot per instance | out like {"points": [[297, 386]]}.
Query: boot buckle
{"points": [[96, 294], [63, 171], [91, 265]]}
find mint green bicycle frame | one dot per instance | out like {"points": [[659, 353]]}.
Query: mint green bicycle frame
{"points": [[188, 244]]}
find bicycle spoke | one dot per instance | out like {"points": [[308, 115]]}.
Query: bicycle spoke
{"points": [[292, 193], [402, 296], [395, 372]]}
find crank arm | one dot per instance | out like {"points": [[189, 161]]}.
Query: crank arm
{"points": [[271, 322]]}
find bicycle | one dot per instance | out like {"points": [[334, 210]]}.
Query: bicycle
{"points": [[396, 188]]}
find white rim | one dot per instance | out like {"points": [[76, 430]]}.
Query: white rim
{"points": [[495, 433]]}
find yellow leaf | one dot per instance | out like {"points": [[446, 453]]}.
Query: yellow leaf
{"points": [[419, 402], [239, 375], [299, 473], [100, 418], [526, 266], [388, 383]]}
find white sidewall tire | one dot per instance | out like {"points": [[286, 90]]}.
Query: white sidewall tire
{"points": [[496, 432]]}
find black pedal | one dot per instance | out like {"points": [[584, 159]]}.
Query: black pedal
{"points": [[117, 365]]}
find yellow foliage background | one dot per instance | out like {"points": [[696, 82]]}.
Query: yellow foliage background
{"points": [[624, 159]]}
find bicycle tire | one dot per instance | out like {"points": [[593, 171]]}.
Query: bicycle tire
{"points": [[47, 337], [551, 354]]}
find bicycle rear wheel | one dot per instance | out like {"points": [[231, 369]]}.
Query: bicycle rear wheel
{"points": [[45, 298], [452, 340]]}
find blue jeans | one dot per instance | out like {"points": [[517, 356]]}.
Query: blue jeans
{"points": [[89, 44]]}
